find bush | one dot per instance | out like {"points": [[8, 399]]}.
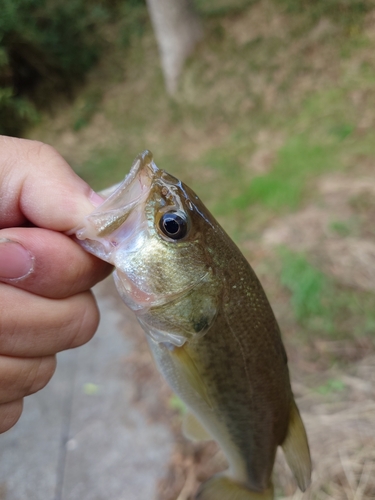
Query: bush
{"points": [[46, 47]]}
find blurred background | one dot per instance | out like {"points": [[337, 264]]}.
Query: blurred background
{"points": [[270, 117]]}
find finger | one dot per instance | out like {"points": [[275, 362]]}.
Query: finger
{"points": [[37, 326], [37, 185], [20, 377], [9, 414], [48, 263]]}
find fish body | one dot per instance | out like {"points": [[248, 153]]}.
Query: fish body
{"points": [[209, 325]]}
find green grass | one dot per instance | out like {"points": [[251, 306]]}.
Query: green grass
{"points": [[322, 307], [341, 228], [310, 288], [331, 386], [284, 185]]}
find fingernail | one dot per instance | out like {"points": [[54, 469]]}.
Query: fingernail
{"points": [[96, 199], [16, 262]]}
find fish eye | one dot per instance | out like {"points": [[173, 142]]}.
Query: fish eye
{"points": [[173, 225]]}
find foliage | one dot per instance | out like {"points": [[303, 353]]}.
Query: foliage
{"points": [[46, 48], [133, 17]]}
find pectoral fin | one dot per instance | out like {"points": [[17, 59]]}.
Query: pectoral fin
{"points": [[223, 488], [187, 365], [193, 429], [296, 449]]}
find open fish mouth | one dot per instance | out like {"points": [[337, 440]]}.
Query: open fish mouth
{"points": [[105, 228]]}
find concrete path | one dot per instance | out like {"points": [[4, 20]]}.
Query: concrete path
{"points": [[80, 438]]}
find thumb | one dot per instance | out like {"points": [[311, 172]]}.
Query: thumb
{"points": [[37, 185]]}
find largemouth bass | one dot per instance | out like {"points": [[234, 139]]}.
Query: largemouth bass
{"points": [[208, 323]]}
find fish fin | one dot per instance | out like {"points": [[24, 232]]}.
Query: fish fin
{"points": [[193, 429], [223, 488], [296, 449], [191, 372]]}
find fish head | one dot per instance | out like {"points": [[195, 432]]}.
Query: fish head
{"points": [[153, 228]]}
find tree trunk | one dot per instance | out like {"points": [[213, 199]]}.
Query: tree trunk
{"points": [[177, 29]]}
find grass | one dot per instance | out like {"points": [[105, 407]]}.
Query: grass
{"points": [[341, 228], [331, 386], [309, 287], [284, 185], [321, 307], [86, 108]]}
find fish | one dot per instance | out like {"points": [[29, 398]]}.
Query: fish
{"points": [[208, 323]]}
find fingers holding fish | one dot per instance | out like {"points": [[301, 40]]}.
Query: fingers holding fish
{"points": [[20, 377], [45, 305], [31, 325], [47, 263]]}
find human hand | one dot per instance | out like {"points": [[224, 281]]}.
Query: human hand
{"points": [[45, 278]]}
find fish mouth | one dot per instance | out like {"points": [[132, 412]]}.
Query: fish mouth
{"points": [[104, 228], [119, 228]]}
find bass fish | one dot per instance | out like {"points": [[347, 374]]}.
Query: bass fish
{"points": [[209, 325]]}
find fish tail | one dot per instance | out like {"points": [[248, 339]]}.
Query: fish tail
{"points": [[224, 488], [296, 449]]}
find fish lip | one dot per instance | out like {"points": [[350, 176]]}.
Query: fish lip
{"points": [[114, 211], [144, 160], [142, 172]]}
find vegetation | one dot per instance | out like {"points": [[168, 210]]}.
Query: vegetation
{"points": [[46, 49]]}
